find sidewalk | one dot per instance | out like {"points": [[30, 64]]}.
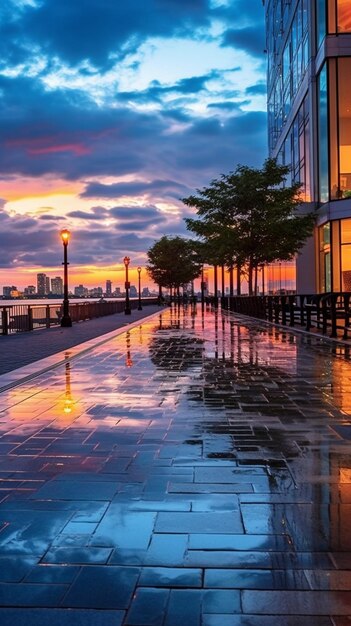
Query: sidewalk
{"points": [[21, 349], [191, 470]]}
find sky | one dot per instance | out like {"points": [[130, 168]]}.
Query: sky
{"points": [[111, 112]]}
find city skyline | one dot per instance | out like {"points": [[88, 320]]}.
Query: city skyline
{"points": [[122, 117]]}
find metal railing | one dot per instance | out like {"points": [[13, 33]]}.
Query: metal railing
{"points": [[330, 313], [21, 317]]}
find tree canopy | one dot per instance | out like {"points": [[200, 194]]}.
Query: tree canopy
{"points": [[173, 261], [251, 216]]}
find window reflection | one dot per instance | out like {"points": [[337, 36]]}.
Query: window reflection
{"points": [[323, 136], [344, 73], [344, 16]]}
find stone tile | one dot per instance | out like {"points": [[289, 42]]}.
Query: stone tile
{"points": [[102, 588], [123, 528], [148, 607], [167, 550], [73, 555], [210, 488], [255, 579], [52, 574], [31, 595], [170, 577], [184, 607], [339, 580], [198, 522], [297, 602], [63, 490], [234, 559], [59, 617], [221, 601], [261, 620], [14, 568], [238, 542]]}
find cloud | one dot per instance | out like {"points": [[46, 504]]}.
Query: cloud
{"points": [[88, 30], [136, 188], [247, 39]]}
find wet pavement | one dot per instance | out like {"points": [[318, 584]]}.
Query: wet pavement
{"points": [[195, 469]]}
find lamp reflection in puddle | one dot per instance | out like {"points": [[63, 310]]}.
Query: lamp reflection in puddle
{"points": [[67, 409], [129, 360]]}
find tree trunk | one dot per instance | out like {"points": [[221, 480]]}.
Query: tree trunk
{"points": [[256, 281], [215, 278], [223, 281], [250, 278], [231, 281], [238, 281]]}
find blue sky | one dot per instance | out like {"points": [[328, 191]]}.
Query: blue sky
{"points": [[111, 112]]}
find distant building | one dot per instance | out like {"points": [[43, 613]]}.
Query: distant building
{"points": [[80, 291], [133, 292], [145, 292], [6, 291], [57, 286], [108, 291], [96, 292], [30, 290], [117, 292], [47, 284], [42, 285]]}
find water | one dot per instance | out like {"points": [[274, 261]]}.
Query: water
{"points": [[45, 301]]}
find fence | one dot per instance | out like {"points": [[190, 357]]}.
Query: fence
{"points": [[329, 312], [21, 317]]}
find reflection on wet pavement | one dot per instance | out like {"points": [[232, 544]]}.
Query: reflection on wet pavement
{"points": [[193, 470]]}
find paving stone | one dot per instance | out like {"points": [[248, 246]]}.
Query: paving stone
{"points": [[102, 588], [58, 617], [170, 577], [148, 607], [297, 602], [198, 522]]}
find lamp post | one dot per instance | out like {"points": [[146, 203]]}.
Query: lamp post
{"points": [[140, 308], [66, 319], [127, 310]]}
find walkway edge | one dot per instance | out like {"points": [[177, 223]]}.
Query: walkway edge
{"points": [[28, 372]]}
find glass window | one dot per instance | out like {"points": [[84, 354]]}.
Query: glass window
{"points": [[333, 133], [344, 16], [344, 83], [321, 21], [324, 258], [323, 151]]}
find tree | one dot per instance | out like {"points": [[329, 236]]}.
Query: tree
{"points": [[252, 216], [173, 261]]}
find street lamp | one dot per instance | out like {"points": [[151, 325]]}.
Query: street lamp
{"points": [[140, 308], [127, 310], [66, 319]]}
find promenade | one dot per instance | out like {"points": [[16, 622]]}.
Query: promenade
{"points": [[192, 468]]}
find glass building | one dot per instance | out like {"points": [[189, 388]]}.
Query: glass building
{"points": [[309, 122]]}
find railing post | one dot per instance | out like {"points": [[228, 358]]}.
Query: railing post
{"points": [[47, 316], [291, 300], [30, 318], [333, 299], [5, 321], [283, 305]]}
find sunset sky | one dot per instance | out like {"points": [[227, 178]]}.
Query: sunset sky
{"points": [[112, 111]]}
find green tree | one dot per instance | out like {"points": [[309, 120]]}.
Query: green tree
{"points": [[251, 216], [173, 262]]}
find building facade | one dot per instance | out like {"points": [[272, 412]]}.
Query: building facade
{"points": [[57, 286], [309, 122], [42, 284]]}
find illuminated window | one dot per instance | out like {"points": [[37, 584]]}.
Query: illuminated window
{"points": [[344, 82], [323, 143], [344, 16], [346, 254]]}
